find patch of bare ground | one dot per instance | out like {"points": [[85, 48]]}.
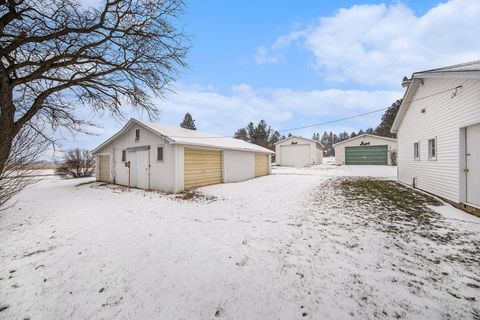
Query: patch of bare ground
{"points": [[397, 257], [194, 195], [191, 195], [398, 209]]}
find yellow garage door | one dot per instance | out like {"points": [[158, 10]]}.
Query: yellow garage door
{"points": [[261, 165], [104, 168], [202, 167]]}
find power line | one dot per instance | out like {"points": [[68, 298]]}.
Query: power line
{"points": [[333, 121], [337, 120]]}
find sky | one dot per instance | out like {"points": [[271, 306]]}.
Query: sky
{"points": [[296, 63]]}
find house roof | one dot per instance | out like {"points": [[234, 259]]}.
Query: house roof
{"points": [[472, 66], [298, 137], [178, 135], [363, 136], [466, 70]]}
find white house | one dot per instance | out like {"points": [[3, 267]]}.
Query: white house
{"points": [[438, 130], [298, 151], [366, 149], [172, 159]]}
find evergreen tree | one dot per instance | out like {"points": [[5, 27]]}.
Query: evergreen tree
{"points": [[353, 134], [261, 134], [335, 139], [241, 134], [343, 136], [383, 129], [360, 132], [188, 122], [324, 139], [369, 131]]}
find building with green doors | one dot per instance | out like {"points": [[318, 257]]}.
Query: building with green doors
{"points": [[366, 149]]}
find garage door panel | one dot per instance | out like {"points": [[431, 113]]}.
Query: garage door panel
{"points": [[202, 168], [295, 155], [366, 155], [261, 165]]}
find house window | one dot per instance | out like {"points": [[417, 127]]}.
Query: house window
{"points": [[124, 155], [416, 151], [137, 135], [159, 153], [432, 149]]}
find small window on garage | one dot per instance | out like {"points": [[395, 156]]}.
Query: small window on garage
{"points": [[137, 135], [124, 155], [159, 153], [416, 150], [432, 149]]}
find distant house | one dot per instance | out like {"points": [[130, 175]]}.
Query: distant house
{"points": [[298, 151], [172, 159], [366, 149], [438, 130]]}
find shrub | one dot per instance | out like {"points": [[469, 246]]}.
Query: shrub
{"points": [[77, 163]]}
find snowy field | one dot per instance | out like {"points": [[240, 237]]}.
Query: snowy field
{"points": [[286, 246]]}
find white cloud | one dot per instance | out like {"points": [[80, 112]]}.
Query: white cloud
{"points": [[263, 55], [379, 44], [282, 108]]}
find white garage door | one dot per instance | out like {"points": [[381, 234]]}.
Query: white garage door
{"points": [[295, 155], [139, 168]]}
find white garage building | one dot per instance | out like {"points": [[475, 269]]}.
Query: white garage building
{"points": [[172, 159], [298, 151], [365, 149]]}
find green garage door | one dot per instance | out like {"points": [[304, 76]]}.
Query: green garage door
{"points": [[376, 155]]}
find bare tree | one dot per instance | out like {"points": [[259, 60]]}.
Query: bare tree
{"points": [[18, 172], [77, 163], [56, 56]]}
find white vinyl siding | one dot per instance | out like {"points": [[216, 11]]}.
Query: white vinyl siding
{"points": [[164, 175], [443, 118], [238, 165]]}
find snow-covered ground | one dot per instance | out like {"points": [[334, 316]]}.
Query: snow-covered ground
{"points": [[284, 246]]}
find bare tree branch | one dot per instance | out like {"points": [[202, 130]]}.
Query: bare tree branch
{"points": [[56, 57]]}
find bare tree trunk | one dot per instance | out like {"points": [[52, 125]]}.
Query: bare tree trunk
{"points": [[7, 127]]}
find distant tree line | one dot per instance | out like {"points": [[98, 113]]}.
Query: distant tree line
{"points": [[264, 135], [328, 139]]}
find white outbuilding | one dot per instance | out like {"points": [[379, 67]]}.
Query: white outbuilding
{"points": [[172, 159], [438, 130], [366, 149], [298, 151]]}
